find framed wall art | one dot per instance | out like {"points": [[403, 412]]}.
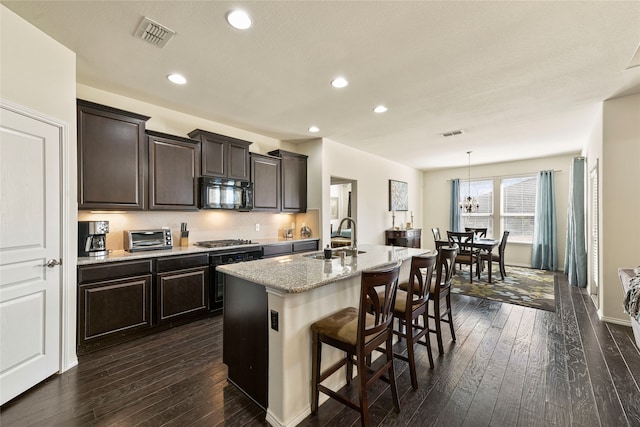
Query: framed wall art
{"points": [[333, 207], [398, 196]]}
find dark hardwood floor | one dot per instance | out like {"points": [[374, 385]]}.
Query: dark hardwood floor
{"points": [[511, 366]]}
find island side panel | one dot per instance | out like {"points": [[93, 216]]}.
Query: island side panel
{"points": [[245, 337]]}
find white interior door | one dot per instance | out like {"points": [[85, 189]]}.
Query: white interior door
{"points": [[30, 236]]}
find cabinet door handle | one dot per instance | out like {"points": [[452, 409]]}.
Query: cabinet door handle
{"points": [[52, 263]]}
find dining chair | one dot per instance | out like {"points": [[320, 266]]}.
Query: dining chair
{"points": [[466, 253], [436, 234], [499, 257], [479, 232], [439, 291], [358, 332], [411, 304]]}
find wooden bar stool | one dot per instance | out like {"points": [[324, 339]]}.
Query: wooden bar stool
{"points": [[358, 332], [412, 303], [439, 290]]}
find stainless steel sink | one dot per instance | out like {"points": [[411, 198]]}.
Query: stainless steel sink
{"points": [[335, 254], [350, 252], [316, 255]]}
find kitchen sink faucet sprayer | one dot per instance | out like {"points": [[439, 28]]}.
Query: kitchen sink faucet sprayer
{"points": [[354, 234]]}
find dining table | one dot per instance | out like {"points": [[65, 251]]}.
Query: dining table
{"points": [[484, 244]]}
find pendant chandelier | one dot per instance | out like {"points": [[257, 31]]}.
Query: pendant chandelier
{"points": [[469, 204]]}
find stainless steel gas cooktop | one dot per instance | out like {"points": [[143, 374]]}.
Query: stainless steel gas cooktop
{"points": [[223, 243]]}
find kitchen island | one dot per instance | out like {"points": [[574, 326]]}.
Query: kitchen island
{"points": [[268, 309]]}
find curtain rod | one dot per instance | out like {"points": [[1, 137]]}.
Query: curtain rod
{"points": [[505, 176]]}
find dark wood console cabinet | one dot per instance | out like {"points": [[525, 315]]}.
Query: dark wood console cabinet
{"points": [[223, 156], [408, 238], [112, 158], [293, 178], [174, 165]]}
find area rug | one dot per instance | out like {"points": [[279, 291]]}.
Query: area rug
{"points": [[521, 286]]}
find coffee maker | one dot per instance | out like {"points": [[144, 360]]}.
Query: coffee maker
{"points": [[92, 239]]}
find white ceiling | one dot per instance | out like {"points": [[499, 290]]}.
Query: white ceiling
{"points": [[523, 79]]}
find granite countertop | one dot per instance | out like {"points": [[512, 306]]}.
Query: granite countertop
{"points": [[300, 272], [122, 255]]}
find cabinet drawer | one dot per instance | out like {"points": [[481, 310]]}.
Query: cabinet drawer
{"points": [[182, 262], [93, 273], [275, 250], [305, 246]]}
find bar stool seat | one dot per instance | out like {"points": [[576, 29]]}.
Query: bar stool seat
{"points": [[359, 332], [342, 325]]}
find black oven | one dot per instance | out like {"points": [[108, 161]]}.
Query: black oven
{"points": [[216, 291]]}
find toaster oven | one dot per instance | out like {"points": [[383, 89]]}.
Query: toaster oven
{"points": [[147, 240]]}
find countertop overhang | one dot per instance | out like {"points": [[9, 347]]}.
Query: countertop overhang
{"points": [[301, 272]]}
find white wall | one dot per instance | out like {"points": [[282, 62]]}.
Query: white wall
{"points": [[372, 174], [39, 73], [437, 193], [620, 171]]}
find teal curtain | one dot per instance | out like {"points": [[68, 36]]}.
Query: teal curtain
{"points": [[454, 215], [575, 259], [545, 246]]}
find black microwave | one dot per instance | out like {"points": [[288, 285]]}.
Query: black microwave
{"points": [[220, 193]]}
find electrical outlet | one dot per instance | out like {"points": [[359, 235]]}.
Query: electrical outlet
{"points": [[274, 320], [257, 227]]}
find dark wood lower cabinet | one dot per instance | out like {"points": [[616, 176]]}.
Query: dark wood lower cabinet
{"points": [[290, 247], [182, 293], [112, 311], [120, 301]]}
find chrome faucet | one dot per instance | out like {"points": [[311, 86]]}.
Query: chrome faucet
{"points": [[354, 234]]}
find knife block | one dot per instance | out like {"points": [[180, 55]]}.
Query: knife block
{"points": [[184, 238]]}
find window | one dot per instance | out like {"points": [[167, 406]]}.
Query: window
{"points": [[482, 190], [518, 204]]}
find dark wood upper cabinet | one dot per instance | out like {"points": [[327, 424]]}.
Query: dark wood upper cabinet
{"points": [[293, 178], [112, 158], [223, 156], [265, 176], [174, 165]]}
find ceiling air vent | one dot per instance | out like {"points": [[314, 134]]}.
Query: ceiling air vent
{"points": [[453, 133], [154, 33]]}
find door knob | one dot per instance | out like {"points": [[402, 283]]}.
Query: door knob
{"points": [[52, 263]]}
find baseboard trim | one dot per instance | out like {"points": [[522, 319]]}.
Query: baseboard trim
{"points": [[616, 321]]}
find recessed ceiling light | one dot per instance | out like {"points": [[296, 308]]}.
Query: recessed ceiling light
{"points": [[238, 19], [380, 109], [339, 82], [314, 129], [177, 79]]}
